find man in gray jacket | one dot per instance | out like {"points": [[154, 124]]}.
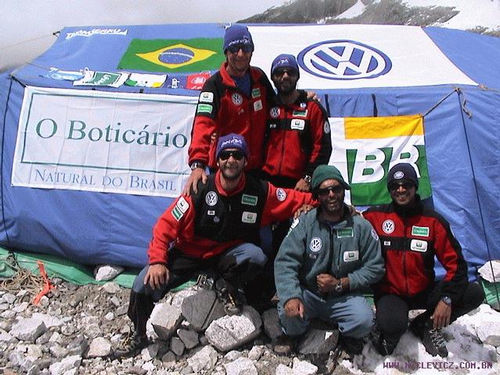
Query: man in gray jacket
{"points": [[325, 262]]}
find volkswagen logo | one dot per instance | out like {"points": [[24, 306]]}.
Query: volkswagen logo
{"points": [[344, 60]]}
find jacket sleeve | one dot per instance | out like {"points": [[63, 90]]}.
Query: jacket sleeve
{"points": [[372, 269], [449, 254], [282, 203], [319, 129], [176, 218], [204, 123], [289, 261]]}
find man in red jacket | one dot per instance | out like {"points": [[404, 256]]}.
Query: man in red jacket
{"points": [[411, 235], [215, 228], [233, 100]]}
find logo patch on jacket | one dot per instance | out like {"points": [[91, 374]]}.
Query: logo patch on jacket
{"points": [[251, 200], [418, 245], [315, 244], [351, 256], [326, 127], [345, 232], [180, 208], [420, 231], [299, 113], [280, 194], [249, 217], [237, 99], [388, 226], [206, 97], [211, 198], [256, 93], [257, 106], [204, 108], [274, 112], [297, 124]]}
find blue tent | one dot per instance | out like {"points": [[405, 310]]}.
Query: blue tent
{"points": [[461, 122]]}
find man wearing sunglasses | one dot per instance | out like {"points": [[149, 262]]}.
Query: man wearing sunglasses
{"points": [[216, 228], [411, 236], [233, 100], [329, 257]]}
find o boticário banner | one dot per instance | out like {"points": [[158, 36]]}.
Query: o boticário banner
{"points": [[365, 148], [103, 141]]}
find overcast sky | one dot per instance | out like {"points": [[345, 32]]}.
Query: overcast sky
{"points": [[27, 26]]}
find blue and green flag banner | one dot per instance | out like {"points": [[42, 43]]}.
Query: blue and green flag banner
{"points": [[365, 148], [173, 55]]}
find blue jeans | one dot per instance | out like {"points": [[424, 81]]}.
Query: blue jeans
{"points": [[351, 313]]}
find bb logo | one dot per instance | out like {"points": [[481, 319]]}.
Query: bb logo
{"points": [[344, 60]]}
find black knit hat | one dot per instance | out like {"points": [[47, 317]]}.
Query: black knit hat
{"points": [[327, 172], [403, 172]]}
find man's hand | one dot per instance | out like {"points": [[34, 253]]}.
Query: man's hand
{"points": [[302, 185], [192, 182], [302, 210], [441, 316], [294, 307], [157, 275], [312, 95], [326, 282]]}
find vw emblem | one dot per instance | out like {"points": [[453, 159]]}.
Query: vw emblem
{"points": [[388, 226], [344, 60], [237, 99], [280, 194], [315, 244], [211, 198], [274, 112]]}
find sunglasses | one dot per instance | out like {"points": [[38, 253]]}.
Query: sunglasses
{"points": [[290, 72], [244, 47], [395, 186], [335, 189], [237, 155]]}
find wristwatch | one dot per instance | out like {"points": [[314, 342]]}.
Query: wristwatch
{"points": [[338, 287], [307, 178], [196, 164], [446, 299]]}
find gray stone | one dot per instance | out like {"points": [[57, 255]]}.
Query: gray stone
{"points": [[107, 272], [205, 359], [272, 327], [256, 352], [283, 370], [201, 309], [188, 337], [99, 347], [230, 332], [242, 366], [179, 296], [168, 359], [318, 341], [67, 364], [49, 320], [177, 346], [303, 367], [232, 355], [58, 351], [28, 329], [165, 320], [489, 332], [111, 287]]}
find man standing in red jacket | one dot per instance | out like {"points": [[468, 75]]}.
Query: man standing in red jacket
{"points": [[215, 228], [233, 100], [411, 235]]}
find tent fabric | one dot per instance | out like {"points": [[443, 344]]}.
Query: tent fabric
{"points": [[462, 145]]}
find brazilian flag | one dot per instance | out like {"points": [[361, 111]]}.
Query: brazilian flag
{"points": [[173, 55]]}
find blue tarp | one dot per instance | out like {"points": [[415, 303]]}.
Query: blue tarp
{"points": [[462, 144]]}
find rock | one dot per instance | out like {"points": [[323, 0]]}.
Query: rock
{"points": [[303, 367], [489, 332], [177, 346], [165, 319], [111, 287], [272, 327], [230, 332], [188, 337], [28, 329], [201, 309], [284, 370], [256, 352], [106, 272], [49, 320], [203, 360], [241, 366], [99, 347], [67, 364], [318, 341]]}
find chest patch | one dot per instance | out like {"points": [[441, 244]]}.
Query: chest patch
{"points": [[249, 217], [420, 231], [274, 112], [211, 198], [300, 113], [388, 226], [326, 127], [256, 93], [237, 99], [345, 232], [351, 256], [257, 105], [418, 245], [250, 200], [297, 124], [180, 208], [280, 194], [316, 244]]}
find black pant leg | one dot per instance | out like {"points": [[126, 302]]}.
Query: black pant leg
{"points": [[391, 316]]}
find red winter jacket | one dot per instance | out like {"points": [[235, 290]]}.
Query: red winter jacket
{"points": [[177, 225], [299, 138], [410, 238], [223, 108]]}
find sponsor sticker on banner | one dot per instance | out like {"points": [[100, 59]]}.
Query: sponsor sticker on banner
{"points": [[365, 148], [95, 141], [146, 80], [91, 78]]}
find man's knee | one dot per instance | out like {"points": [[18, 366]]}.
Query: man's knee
{"points": [[361, 323]]}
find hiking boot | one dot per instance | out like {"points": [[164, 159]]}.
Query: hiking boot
{"points": [[432, 339], [382, 344], [230, 297], [351, 345], [284, 345], [132, 347]]}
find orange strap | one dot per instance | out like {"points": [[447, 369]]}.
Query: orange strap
{"points": [[47, 285]]}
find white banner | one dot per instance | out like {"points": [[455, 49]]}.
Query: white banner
{"points": [[103, 141], [354, 56]]}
